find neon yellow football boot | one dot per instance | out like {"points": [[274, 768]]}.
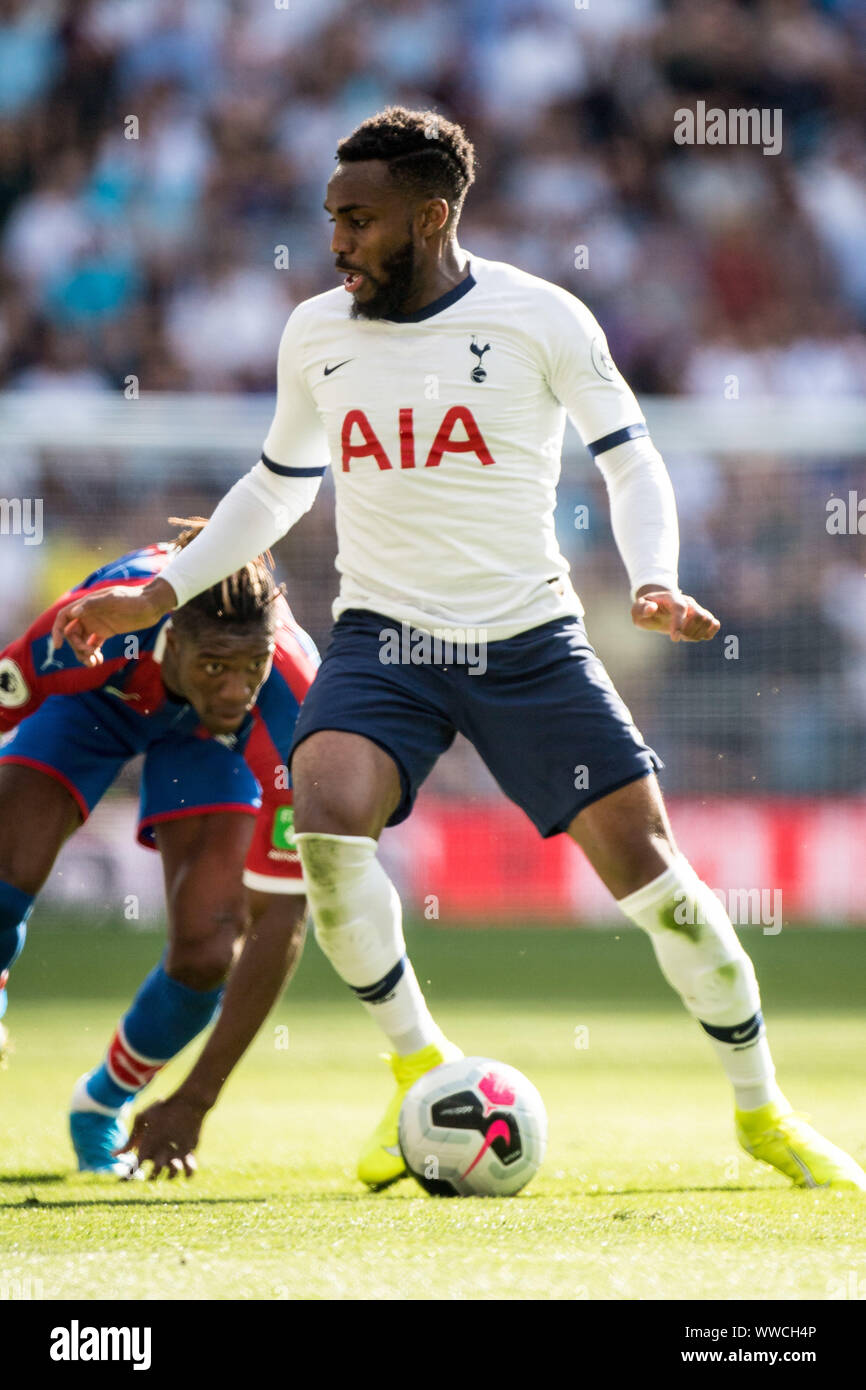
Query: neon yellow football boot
{"points": [[381, 1161], [787, 1142]]}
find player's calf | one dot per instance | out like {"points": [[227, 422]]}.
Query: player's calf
{"points": [[164, 1017], [627, 838], [174, 1004], [15, 908], [207, 910], [36, 816], [701, 957], [358, 921]]}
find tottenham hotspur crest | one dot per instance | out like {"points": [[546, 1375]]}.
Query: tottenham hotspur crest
{"points": [[478, 373]]}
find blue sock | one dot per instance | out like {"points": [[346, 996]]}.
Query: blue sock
{"points": [[15, 908], [164, 1017]]}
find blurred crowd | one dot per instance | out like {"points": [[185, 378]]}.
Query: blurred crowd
{"points": [[160, 163], [153, 156]]}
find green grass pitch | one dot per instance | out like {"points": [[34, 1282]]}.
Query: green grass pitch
{"points": [[643, 1195]]}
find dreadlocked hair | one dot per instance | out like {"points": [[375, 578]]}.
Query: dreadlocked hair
{"points": [[244, 599], [424, 152]]}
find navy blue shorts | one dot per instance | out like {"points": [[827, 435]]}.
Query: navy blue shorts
{"points": [[183, 775], [543, 715]]}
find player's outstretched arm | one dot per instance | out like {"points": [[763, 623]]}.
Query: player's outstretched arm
{"points": [[31, 669], [261, 507], [90, 619], [167, 1133]]}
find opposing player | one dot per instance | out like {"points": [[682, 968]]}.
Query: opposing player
{"points": [[210, 698], [440, 391]]}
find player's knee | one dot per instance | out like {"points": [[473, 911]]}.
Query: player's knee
{"points": [[334, 807], [343, 785], [200, 953], [201, 967]]}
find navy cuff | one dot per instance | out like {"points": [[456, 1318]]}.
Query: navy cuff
{"points": [[286, 472], [610, 441]]}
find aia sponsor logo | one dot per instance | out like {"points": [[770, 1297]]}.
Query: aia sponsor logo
{"points": [[459, 433]]}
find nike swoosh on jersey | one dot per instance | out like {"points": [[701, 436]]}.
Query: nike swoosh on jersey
{"points": [[328, 370]]}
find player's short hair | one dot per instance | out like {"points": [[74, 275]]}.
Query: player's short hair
{"points": [[425, 153], [243, 600]]}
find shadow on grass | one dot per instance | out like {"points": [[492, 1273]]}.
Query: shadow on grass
{"points": [[148, 1197], [31, 1179], [157, 1193], [675, 1191], [161, 1192], [407, 1193]]}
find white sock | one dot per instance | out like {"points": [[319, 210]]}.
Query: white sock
{"points": [[358, 921], [83, 1100], [701, 958]]}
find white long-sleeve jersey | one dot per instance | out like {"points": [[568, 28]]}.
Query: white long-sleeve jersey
{"points": [[444, 432]]}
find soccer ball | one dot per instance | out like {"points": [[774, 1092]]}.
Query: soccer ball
{"points": [[473, 1128]]}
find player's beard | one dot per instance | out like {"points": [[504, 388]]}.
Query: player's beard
{"points": [[401, 272]]}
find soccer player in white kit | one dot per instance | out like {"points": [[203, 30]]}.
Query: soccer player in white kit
{"points": [[438, 390]]}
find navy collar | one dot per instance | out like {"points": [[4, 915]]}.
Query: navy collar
{"points": [[443, 302]]}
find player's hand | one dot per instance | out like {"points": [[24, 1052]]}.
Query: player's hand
{"points": [[86, 622], [681, 617], [166, 1135]]}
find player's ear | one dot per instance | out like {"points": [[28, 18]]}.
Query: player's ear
{"points": [[433, 216]]}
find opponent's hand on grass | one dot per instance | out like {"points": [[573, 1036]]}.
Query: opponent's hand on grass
{"points": [[681, 617], [166, 1135], [87, 621]]}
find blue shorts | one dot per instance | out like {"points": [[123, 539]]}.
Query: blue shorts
{"points": [[75, 740], [543, 715]]}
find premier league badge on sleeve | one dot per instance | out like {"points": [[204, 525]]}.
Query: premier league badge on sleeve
{"points": [[14, 691], [601, 358]]}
